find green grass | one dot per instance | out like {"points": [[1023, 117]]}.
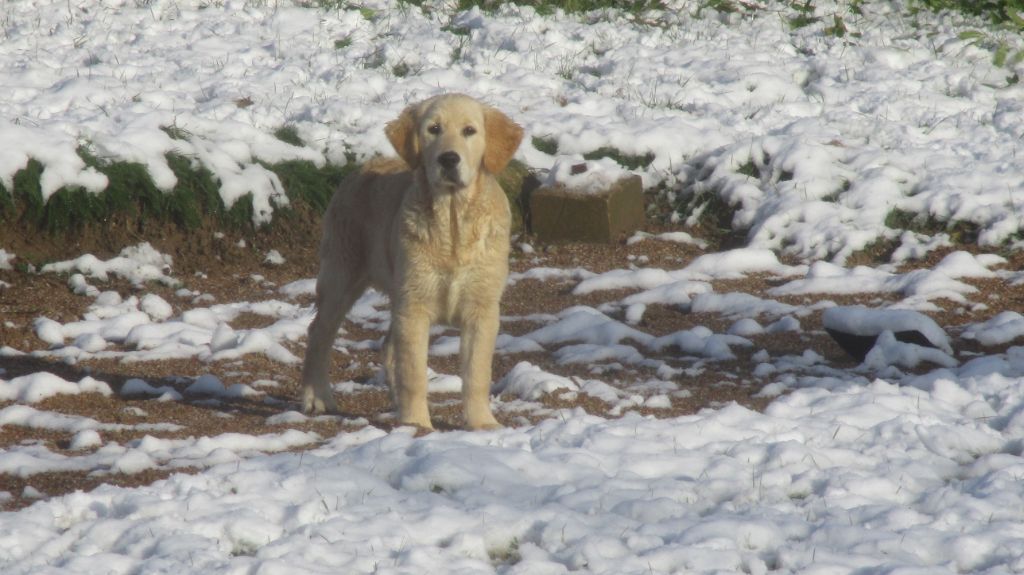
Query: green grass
{"points": [[751, 170], [996, 11], [712, 217], [367, 13], [401, 70], [132, 196], [505, 555], [628, 161], [289, 135], [305, 182], [960, 232], [804, 14], [131, 193], [197, 193], [546, 145], [547, 7]]}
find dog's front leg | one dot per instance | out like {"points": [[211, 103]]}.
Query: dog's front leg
{"points": [[408, 341], [476, 351]]}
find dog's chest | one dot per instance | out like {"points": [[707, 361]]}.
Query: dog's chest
{"points": [[454, 255], [453, 274], [454, 294], [452, 233]]}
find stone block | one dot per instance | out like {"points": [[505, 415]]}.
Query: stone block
{"points": [[560, 214]]}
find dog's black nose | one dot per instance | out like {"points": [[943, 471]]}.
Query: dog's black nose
{"points": [[448, 160]]}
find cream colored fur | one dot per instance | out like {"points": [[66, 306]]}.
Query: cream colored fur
{"points": [[431, 230]]}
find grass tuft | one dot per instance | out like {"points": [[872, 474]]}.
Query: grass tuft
{"points": [[996, 11], [26, 196], [750, 170], [304, 182], [712, 217], [289, 135], [547, 145], [176, 133], [505, 555], [549, 7], [628, 161], [960, 232], [195, 193], [804, 14], [838, 28], [401, 69]]}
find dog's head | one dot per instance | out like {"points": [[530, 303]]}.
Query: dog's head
{"points": [[452, 138]]}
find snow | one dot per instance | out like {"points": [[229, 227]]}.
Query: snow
{"points": [[678, 237], [274, 258], [908, 463], [861, 473], [838, 131], [36, 387], [156, 307], [137, 386], [919, 286], [888, 351], [528, 381], [156, 333], [137, 264], [859, 320], [1003, 328], [732, 264], [877, 477], [579, 176]]}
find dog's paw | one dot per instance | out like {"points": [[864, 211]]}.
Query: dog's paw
{"points": [[314, 403], [421, 424], [483, 423]]}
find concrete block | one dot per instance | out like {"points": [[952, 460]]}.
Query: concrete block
{"points": [[560, 214]]}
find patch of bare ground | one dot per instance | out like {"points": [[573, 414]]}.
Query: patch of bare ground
{"points": [[232, 267]]}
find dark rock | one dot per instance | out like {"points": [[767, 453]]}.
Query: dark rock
{"points": [[858, 346]]}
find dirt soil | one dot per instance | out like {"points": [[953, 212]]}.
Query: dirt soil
{"points": [[231, 267]]}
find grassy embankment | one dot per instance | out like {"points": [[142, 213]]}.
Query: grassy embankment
{"points": [[194, 202]]}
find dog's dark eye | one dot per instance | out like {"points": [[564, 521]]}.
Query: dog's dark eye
{"points": [[468, 131], [434, 129]]}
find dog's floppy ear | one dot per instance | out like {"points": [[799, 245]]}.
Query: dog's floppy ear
{"points": [[503, 137], [402, 133]]}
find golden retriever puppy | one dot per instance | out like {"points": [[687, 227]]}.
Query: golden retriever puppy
{"points": [[431, 230]]}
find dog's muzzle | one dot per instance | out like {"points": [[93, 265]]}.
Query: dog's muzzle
{"points": [[449, 162]]}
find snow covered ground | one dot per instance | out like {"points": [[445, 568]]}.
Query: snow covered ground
{"points": [[909, 463]]}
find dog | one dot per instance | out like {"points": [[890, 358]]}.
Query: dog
{"points": [[431, 229]]}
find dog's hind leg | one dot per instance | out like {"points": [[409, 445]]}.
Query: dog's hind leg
{"points": [[335, 295], [388, 357]]}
